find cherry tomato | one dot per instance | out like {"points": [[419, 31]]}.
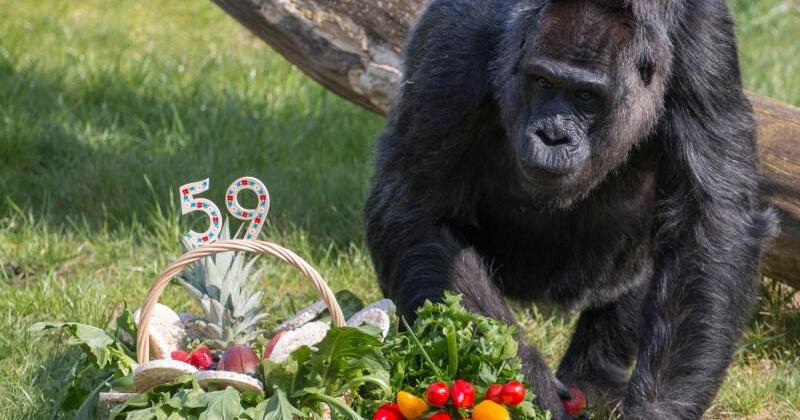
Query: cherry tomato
{"points": [[411, 405], [442, 415], [437, 394], [388, 411], [513, 393], [490, 410], [462, 394], [575, 405], [493, 393]]}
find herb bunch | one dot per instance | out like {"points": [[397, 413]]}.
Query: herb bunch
{"points": [[448, 342]]}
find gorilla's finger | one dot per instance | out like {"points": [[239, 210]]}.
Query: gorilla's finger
{"points": [[563, 391]]}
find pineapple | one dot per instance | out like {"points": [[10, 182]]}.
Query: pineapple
{"points": [[225, 288]]}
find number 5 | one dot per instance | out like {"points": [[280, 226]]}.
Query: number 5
{"points": [[190, 204]]}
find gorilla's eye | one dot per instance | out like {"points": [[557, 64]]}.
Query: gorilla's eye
{"points": [[543, 83], [585, 97]]}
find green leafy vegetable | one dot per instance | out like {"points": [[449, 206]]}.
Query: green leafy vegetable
{"points": [[351, 371], [276, 407], [103, 347], [347, 361], [106, 362], [448, 342]]}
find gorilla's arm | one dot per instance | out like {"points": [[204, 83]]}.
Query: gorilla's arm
{"points": [[710, 230], [422, 195], [418, 258]]}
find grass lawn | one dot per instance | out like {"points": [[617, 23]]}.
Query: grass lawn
{"points": [[106, 107]]}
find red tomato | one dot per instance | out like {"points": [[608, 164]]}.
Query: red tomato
{"points": [[493, 393], [462, 394], [577, 404], [388, 411], [437, 394], [512, 394], [442, 415]]}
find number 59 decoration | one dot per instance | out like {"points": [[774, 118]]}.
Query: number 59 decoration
{"points": [[256, 216]]}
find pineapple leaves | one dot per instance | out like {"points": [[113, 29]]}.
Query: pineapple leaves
{"points": [[225, 286]]}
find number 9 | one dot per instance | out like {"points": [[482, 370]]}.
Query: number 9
{"points": [[258, 215]]}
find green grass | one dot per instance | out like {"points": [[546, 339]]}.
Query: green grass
{"points": [[106, 107]]}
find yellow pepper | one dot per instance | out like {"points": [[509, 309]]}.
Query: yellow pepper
{"points": [[411, 406], [490, 410]]}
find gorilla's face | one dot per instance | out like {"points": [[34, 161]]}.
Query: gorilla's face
{"points": [[577, 98], [564, 103]]}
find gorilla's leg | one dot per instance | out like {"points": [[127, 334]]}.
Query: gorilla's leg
{"points": [[603, 348]]}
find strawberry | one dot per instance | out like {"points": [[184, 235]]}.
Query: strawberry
{"points": [[201, 357], [181, 356]]}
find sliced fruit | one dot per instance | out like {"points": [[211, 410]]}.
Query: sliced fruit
{"points": [[272, 342], [165, 329], [221, 379], [307, 335], [151, 374], [239, 358], [376, 314], [374, 317], [303, 316]]}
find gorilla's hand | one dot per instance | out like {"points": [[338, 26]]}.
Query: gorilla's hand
{"points": [[549, 390]]}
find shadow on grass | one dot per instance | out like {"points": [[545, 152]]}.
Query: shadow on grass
{"points": [[72, 152]]}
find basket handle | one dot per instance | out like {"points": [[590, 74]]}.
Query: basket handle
{"points": [[197, 254]]}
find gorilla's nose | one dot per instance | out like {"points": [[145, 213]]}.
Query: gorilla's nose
{"points": [[552, 137]]}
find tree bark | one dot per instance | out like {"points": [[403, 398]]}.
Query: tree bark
{"points": [[353, 47]]}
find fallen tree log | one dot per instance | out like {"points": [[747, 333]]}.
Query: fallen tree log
{"points": [[353, 47]]}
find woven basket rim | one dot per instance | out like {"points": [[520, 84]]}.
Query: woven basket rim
{"points": [[235, 245]]}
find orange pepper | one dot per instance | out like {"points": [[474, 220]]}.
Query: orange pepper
{"points": [[411, 406], [490, 410]]}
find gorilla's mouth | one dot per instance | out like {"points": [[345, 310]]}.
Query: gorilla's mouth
{"points": [[551, 166]]}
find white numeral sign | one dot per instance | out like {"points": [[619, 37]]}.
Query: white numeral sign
{"points": [[257, 216]]}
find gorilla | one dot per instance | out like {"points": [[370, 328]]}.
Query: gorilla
{"points": [[595, 154]]}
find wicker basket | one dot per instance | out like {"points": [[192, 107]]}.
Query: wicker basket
{"points": [[237, 245]]}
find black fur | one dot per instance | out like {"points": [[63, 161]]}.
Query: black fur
{"points": [[641, 212]]}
